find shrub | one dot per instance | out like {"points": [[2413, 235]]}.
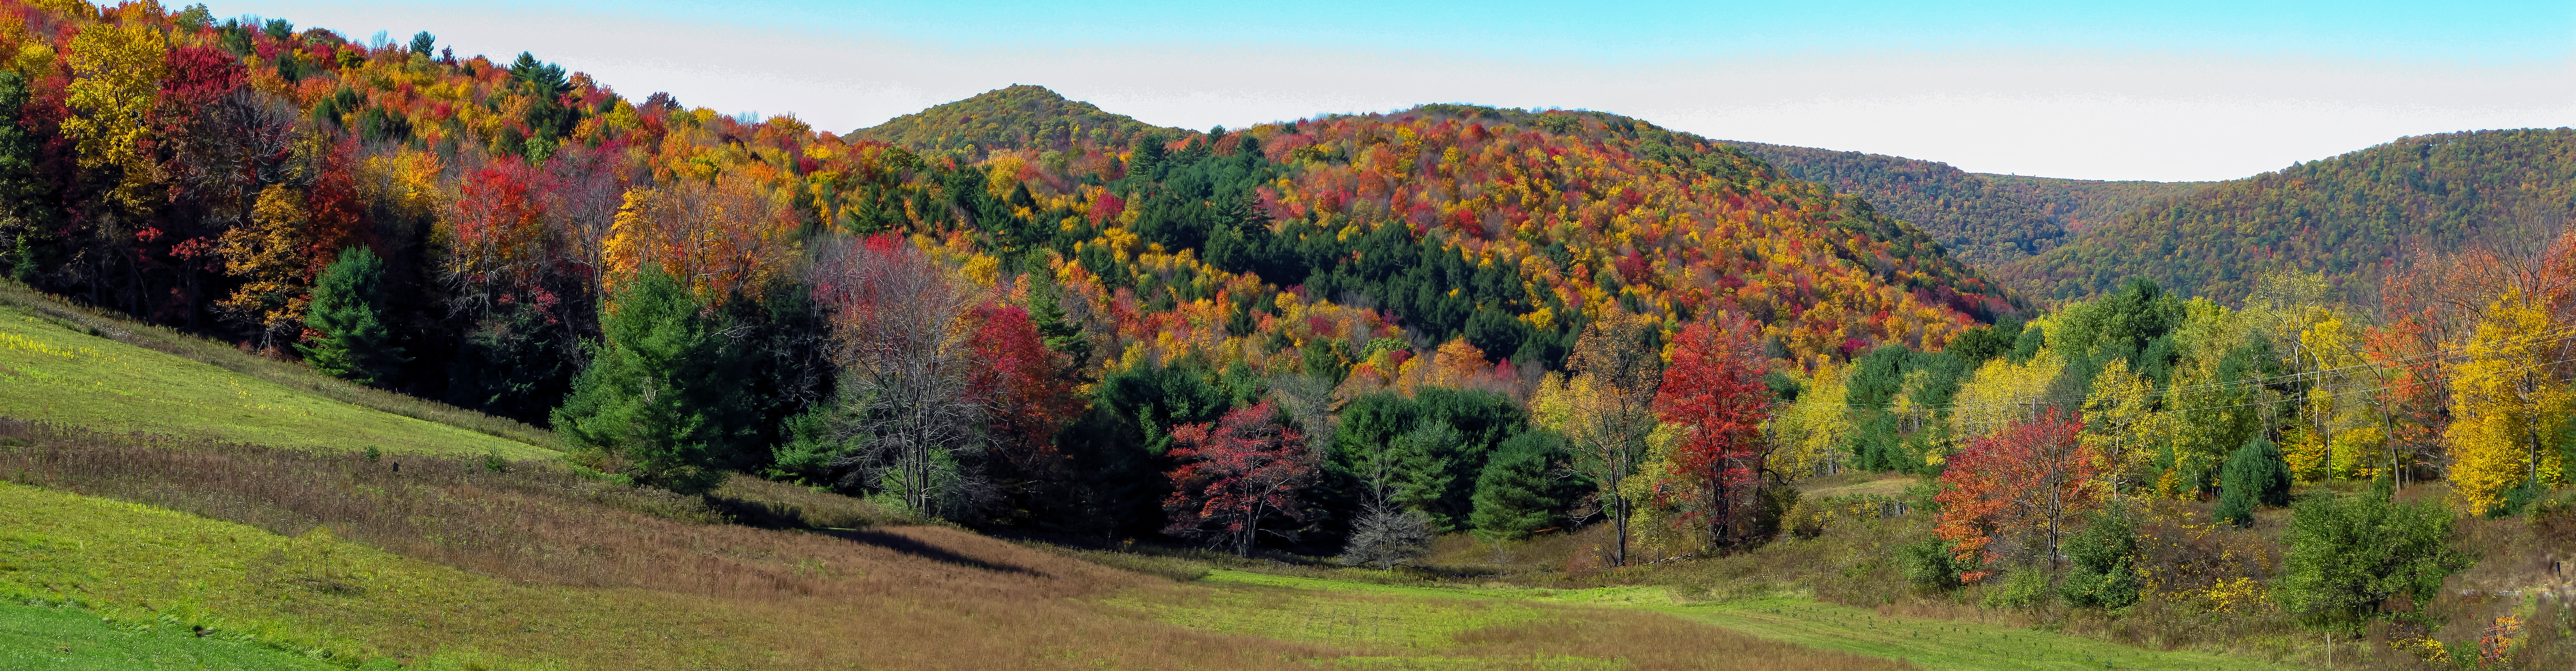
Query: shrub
{"points": [[2349, 554], [2104, 560], [1928, 563], [2023, 588], [1387, 538]]}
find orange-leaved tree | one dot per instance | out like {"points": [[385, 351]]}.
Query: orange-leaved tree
{"points": [[2023, 485], [1714, 393]]}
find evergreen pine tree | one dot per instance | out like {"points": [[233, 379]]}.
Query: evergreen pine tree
{"points": [[1514, 496], [2254, 475], [348, 311], [660, 394]]}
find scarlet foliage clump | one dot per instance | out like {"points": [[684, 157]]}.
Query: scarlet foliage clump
{"points": [[1016, 374], [1714, 391], [1234, 473], [2027, 481]]}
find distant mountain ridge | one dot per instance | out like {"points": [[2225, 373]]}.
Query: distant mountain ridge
{"points": [[1987, 220], [2349, 217]]}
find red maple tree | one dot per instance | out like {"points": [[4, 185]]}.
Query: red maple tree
{"points": [[1016, 375], [2029, 479], [1714, 391], [1235, 472]]}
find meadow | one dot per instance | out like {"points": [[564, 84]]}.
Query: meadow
{"points": [[468, 563]]}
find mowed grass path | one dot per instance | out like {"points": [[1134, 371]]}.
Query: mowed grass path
{"points": [[50, 372], [1929, 643], [39, 638]]}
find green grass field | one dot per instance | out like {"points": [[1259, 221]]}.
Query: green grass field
{"points": [[38, 638], [1931, 644], [51, 372]]}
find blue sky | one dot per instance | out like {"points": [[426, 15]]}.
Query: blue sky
{"points": [[2164, 91]]}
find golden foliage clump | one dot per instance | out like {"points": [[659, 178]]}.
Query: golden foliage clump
{"points": [[269, 255]]}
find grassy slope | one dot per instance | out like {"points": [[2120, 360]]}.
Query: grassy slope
{"points": [[51, 372], [1929, 643], [65, 639]]}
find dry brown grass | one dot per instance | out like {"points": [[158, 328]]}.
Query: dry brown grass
{"points": [[567, 570]]}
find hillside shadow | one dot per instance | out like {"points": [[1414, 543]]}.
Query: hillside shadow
{"points": [[914, 547]]}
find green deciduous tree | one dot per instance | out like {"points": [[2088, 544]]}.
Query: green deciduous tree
{"points": [[347, 318], [2349, 554]]}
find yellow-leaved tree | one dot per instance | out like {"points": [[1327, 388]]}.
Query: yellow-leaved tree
{"points": [[2121, 422], [1605, 409], [2502, 401], [116, 79], [268, 256], [1811, 435], [2003, 392]]}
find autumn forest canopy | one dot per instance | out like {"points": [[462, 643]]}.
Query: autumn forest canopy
{"points": [[1341, 335]]}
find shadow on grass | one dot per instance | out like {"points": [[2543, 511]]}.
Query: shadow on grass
{"points": [[912, 546]]}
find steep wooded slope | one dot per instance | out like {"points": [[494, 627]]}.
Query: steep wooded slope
{"points": [[2349, 216]]}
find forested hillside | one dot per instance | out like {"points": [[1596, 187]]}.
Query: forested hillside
{"points": [[2352, 217], [1013, 311], [1006, 118], [1987, 220]]}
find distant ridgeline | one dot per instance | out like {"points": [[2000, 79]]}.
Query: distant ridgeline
{"points": [[2350, 217], [1987, 220]]}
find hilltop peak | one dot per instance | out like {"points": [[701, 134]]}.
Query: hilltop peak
{"points": [[1015, 116]]}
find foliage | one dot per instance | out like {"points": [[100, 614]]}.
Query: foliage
{"points": [[2017, 492], [2344, 216], [2350, 554], [347, 316], [1974, 216], [657, 397], [1236, 473]]}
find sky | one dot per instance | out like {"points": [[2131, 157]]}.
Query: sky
{"points": [[2168, 91]]}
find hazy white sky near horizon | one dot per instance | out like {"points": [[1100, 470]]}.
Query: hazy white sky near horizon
{"points": [[2178, 91]]}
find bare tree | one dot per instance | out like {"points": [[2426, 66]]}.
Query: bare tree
{"points": [[901, 337]]}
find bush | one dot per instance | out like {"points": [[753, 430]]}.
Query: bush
{"points": [[2022, 588], [2104, 560], [1928, 564], [2349, 554]]}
